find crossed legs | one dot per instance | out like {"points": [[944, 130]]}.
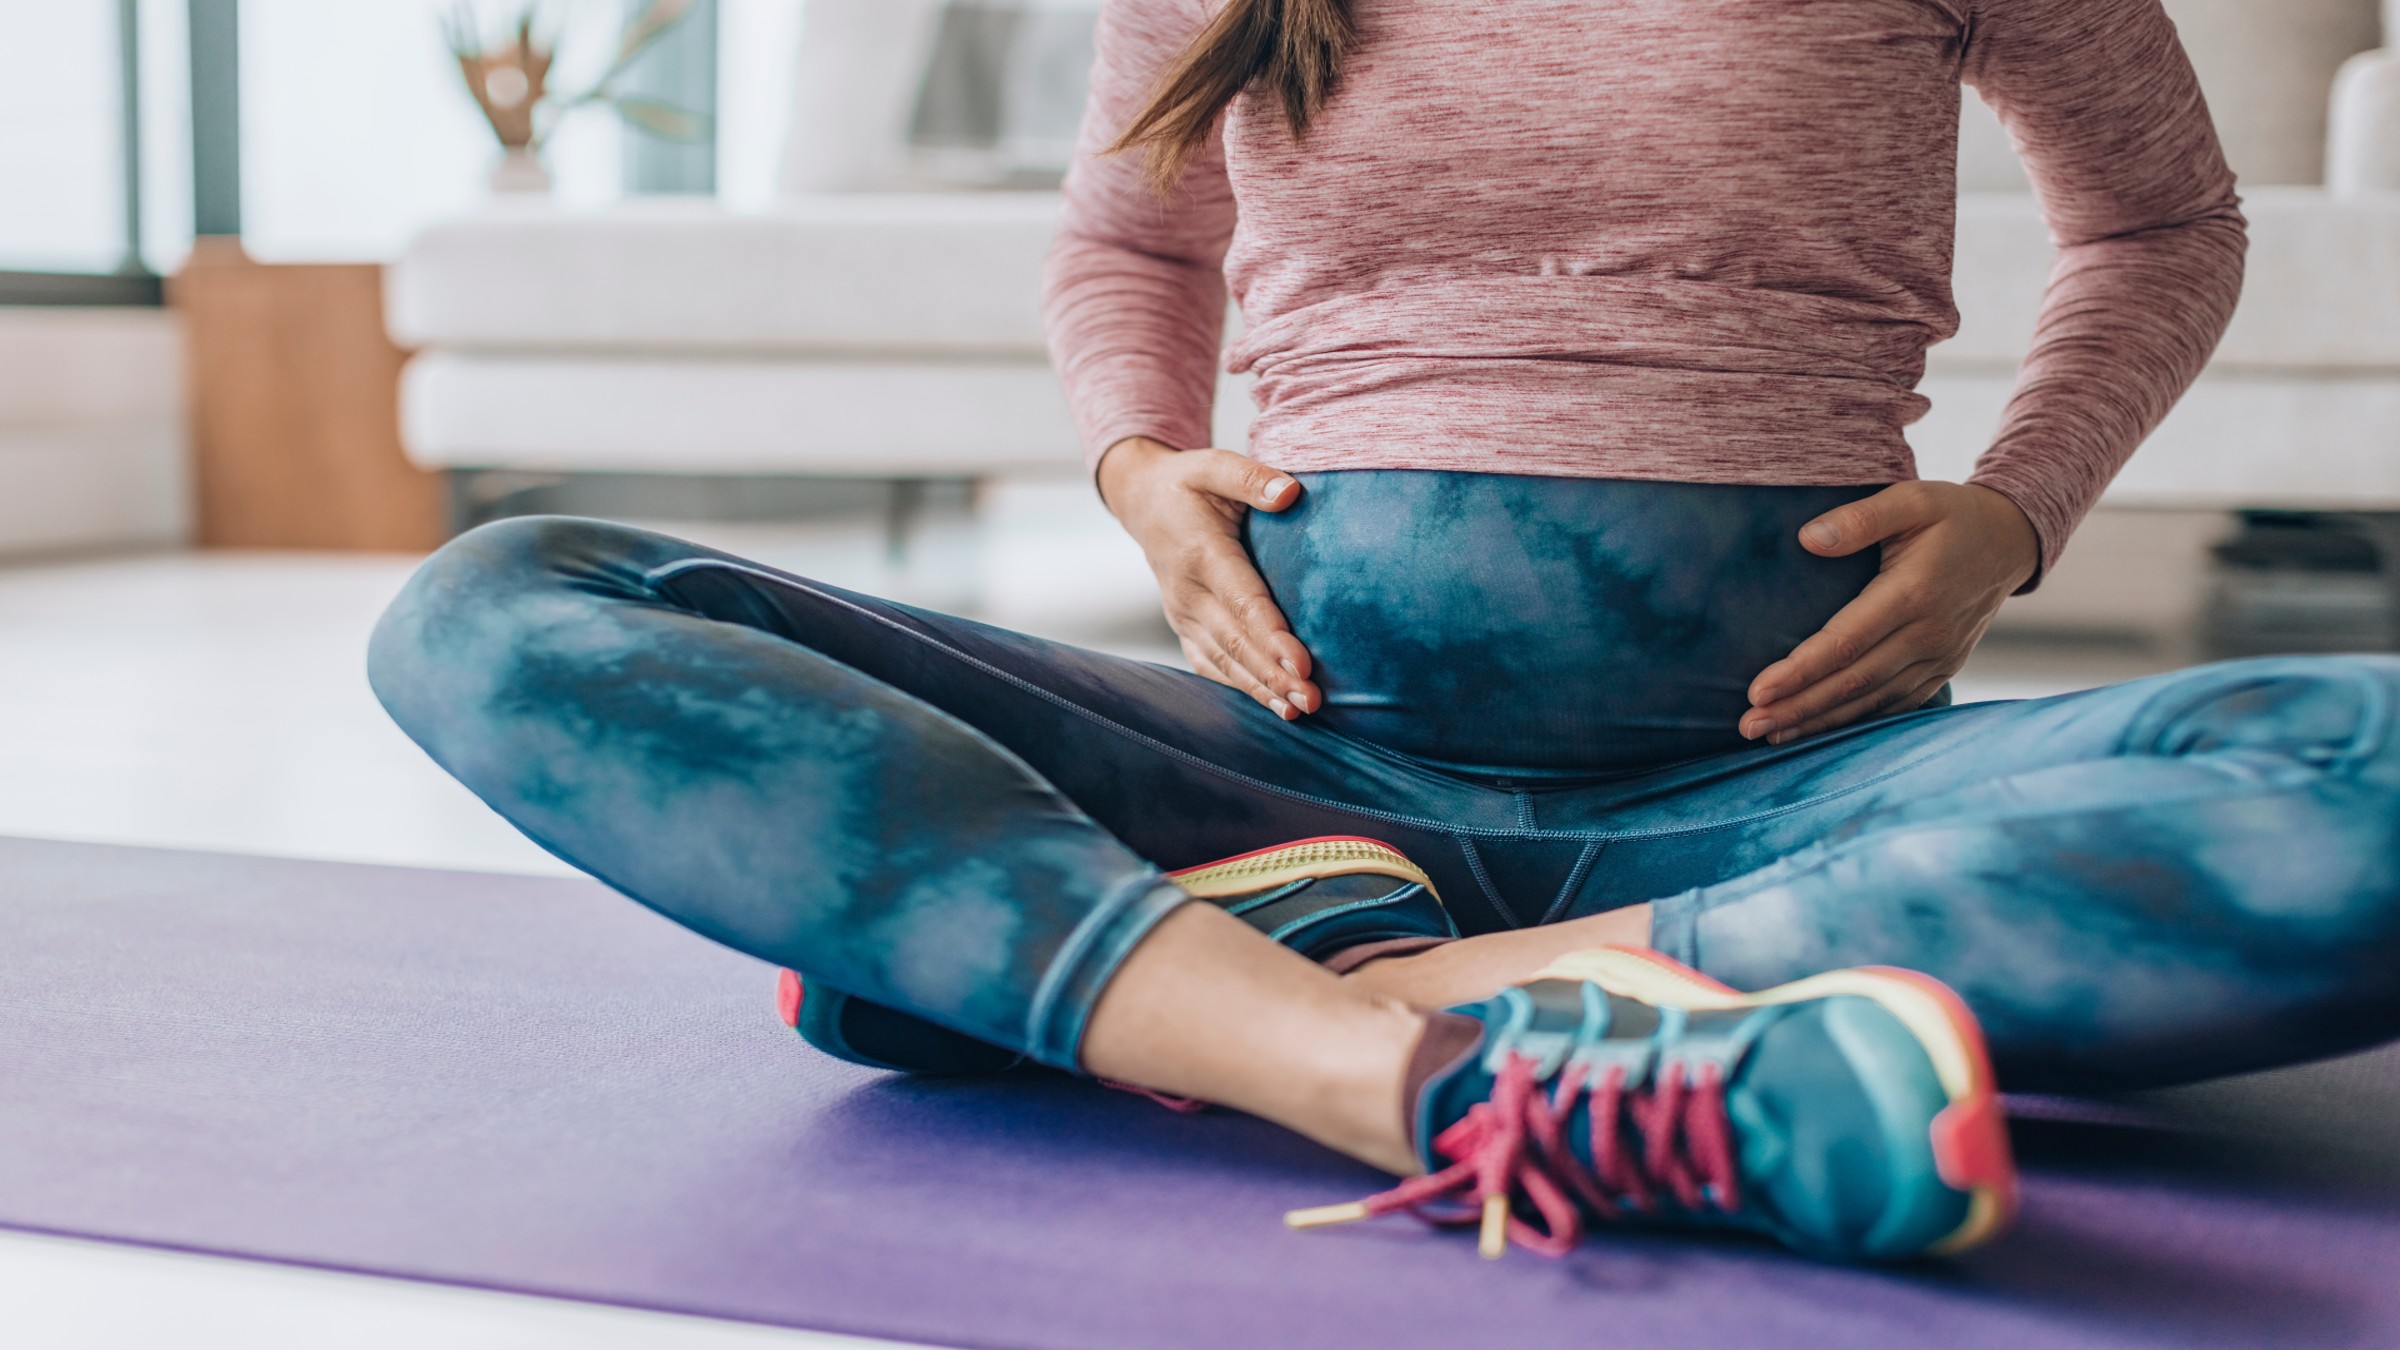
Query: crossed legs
{"points": [[2184, 876]]}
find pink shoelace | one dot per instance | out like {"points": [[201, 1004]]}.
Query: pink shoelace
{"points": [[1671, 1138]]}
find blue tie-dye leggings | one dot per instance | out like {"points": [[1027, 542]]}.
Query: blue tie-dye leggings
{"points": [[1531, 688]]}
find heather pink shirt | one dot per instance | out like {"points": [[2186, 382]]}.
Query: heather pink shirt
{"points": [[1692, 240]]}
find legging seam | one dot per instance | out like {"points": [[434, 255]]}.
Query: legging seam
{"points": [[1466, 846], [1573, 883], [660, 574]]}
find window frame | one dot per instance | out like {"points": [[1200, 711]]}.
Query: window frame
{"points": [[215, 54], [216, 174]]}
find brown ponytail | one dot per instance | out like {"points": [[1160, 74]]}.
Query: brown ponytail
{"points": [[1294, 46]]}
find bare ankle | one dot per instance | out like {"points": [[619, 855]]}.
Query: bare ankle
{"points": [[1404, 978], [1354, 1104]]}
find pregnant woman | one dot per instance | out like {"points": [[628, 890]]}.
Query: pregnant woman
{"points": [[1571, 645]]}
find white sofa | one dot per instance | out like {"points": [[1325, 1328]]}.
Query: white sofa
{"points": [[882, 320], [92, 451], [870, 335], [868, 326], [2301, 406]]}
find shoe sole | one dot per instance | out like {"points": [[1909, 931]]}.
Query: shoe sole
{"points": [[1333, 855], [1969, 1136]]}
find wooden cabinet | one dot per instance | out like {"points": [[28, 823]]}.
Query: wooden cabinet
{"points": [[293, 388]]}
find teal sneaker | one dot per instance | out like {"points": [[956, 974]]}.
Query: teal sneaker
{"points": [[878, 1037], [1336, 900], [1850, 1115]]}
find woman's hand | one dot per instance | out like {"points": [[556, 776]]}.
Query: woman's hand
{"points": [[1951, 554], [1185, 508]]}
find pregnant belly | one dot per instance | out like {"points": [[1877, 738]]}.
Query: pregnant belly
{"points": [[1539, 628]]}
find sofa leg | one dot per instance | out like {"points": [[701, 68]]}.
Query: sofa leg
{"points": [[904, 511], [478, 496], [2383, 527], [911, 504]]}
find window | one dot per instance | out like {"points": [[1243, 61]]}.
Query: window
{"points": [[325, 130], [69, 141]]}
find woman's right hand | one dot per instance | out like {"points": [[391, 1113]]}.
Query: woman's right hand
{"points": [[1185, 508]]}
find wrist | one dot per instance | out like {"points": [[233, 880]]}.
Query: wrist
{"points": [[2025, 542], [1121, 464]]}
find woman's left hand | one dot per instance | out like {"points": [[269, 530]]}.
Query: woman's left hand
{"points": [[1951, 553]]}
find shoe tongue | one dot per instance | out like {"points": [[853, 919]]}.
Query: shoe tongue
{"points": [[1547, 1020], [1451, 1071]]}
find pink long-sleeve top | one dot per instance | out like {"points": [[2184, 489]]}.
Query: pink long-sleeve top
{"points": [[1690, 240]]}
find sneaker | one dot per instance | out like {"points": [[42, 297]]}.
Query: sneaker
{"points": [[1336, 900], [879, 1038], [1850, 1115]]}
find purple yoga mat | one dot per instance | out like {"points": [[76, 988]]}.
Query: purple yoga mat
{"points": [[534, 1085]]}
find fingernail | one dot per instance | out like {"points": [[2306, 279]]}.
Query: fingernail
{"points": [[1300, 700], [1779, 738], [1275, 488], [1821, 534], [1758, 729], [1282, 709], [1287, 665]]}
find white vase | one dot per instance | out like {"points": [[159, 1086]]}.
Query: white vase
{"points": [[520, 170]]}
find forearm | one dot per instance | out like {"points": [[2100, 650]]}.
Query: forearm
{"points": [[1134, 293], [2109, 118], [1134, 338], [2126, 326]]}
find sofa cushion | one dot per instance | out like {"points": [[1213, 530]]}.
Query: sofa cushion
{"points": [[960, 274], [2265, 65], [900, 94], [2317, 298], [861, 64], [2238, 439], [1003, 92], [885, 418], [918, 273]]}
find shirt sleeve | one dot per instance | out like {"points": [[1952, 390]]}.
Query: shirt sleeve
{"points": [[1134, 293], [2109, 119]]}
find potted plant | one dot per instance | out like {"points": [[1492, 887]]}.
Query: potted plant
{"points": [[510, 82]]}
